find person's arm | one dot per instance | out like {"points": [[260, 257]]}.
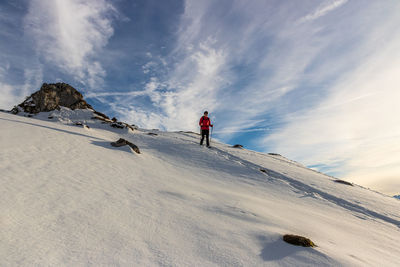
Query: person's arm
{"points": [[201, 121]]}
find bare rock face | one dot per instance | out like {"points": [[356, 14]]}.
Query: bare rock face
{"points": [[51, 97], [298, 240], [122, 142]]}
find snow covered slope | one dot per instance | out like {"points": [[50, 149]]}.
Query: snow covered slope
{"points": [[68, 198]]}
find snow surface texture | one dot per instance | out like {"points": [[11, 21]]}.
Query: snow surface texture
{"points": [[68, 198]]}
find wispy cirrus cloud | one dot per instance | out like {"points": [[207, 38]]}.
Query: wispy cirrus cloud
{"points": [[323, 9], [201, 67], [60, 40], [353, 132], [259, 62], [11, 93], [177, 100], [69, 34]]}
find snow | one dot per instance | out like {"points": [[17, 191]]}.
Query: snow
{"points": [[68, 198]]}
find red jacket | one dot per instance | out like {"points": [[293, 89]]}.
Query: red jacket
{"points": [[205, 123]]}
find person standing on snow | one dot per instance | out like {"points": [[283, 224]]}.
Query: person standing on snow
{"points": [[205, 124]]}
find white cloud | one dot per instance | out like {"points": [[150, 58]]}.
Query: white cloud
{"points": [[194, 90], [139, 116], [191, 88], [208, 48], [357, 124], [70, 33], [8, 98], [149, 66], [13, 94], [323, 9]]}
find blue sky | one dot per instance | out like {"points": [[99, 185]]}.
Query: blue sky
{"points": [[316, 81]]}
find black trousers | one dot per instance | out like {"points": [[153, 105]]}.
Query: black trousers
{"points": [[205, 133]]}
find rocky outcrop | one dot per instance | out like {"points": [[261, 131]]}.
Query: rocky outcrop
{"points": [[298, 240], [101, 115], [123, 142], [118, 125], [51, 97]]}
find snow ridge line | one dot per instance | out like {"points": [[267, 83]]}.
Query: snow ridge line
{"points": [[309, 189], [331, 198]]}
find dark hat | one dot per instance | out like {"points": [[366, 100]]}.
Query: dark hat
{"points": [[206, 112]]}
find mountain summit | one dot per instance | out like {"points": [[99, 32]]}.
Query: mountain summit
{"points": [[63, 103], [51, 97]]}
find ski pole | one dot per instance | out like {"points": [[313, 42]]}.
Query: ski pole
{"points": [[212, 128]]}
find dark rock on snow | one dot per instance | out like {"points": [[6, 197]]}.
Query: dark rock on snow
{"points": [[123, 142], [101, 115], [274, 154], [298, 240], [118, 125], [103, 119], [153, 134], [51, 97], [343, 182], [78, 123], [237, 146], [121, 125], [129, 126]]}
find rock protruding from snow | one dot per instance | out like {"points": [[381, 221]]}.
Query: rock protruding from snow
{"points": [[78, 123], [298, 240], [275, 154], [237, 146], [51, 97], [397, 196], [343, 182], [123, 142]]}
